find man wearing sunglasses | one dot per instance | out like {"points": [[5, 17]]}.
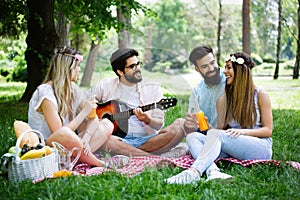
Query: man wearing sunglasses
{"points": [[144, 134]]}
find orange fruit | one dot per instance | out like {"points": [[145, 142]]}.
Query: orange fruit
{"points": [[62, 173]]}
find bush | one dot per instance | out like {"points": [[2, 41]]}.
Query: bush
{"points": [[268, 67], [160, 66], [289, 64], [4, 72], [19, 74], [268, 59], [160, 56], [257, 59], [148, 66], [178, 64]]}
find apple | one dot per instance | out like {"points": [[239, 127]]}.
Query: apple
{"points": [[12, 150]]}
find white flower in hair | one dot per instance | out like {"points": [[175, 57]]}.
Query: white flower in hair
{"points": [[240, 61], [233, 59]]}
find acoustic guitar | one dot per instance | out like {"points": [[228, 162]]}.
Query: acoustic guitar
{"points": [[118, 113]]}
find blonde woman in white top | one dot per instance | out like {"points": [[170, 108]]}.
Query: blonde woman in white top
{"points": [[57, 109]]}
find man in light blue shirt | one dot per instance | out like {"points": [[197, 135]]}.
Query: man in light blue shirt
{"points": [[205, 94], [204, 97]]}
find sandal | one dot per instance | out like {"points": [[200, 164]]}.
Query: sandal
{"points": [[117, 161]]}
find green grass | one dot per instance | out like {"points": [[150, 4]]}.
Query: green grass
{"points": [[11, 91], [257, 182], [268, 69]]}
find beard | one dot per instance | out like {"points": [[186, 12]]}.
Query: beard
{"points": [[212, 80], [132, 78]]}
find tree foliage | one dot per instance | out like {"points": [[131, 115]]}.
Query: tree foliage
{"points": [[96, 17], [176, 29], [92, 16], [165, 35], [13, 17], [265, 13]]}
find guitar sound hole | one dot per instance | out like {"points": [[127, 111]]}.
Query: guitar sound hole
{"points": [[108, 116]]}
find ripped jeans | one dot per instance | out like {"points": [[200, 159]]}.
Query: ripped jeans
{"points": [[218, 144]]}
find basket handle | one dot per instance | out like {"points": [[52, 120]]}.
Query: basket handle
{"points": [[20, 138]]}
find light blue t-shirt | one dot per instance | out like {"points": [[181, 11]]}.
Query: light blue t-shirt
{"points": [[205, 98]]}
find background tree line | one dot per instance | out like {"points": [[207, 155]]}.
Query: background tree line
{"points": [[164, 31]]}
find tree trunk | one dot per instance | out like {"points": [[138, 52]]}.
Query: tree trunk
{"points": [[124, 35], [278, 41], [296, 67], [63, 27], [219, 33], [246, 26], [147, 51], [90, 64], [41, 41]]}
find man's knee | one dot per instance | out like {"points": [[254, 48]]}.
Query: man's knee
{"points": [[107, 125], [174, 128]]}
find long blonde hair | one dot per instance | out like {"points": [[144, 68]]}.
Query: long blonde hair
{"points": [[239, 96], [60, 72]]}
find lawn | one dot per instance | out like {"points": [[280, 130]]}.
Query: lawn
{"points": [[258, 182]]}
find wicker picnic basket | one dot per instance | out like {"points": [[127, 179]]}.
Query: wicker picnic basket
{"points": [[32, 169]]}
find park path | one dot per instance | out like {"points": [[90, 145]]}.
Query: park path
{"points": [[183, 83]]}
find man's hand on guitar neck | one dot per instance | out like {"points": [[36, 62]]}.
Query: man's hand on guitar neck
{"points": [[142, 116], [154, 123]]}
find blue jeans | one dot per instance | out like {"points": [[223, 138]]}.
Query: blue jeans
{"points": [[137, 141], [223, 145]]}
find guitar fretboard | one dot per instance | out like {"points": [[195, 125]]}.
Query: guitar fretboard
{"points": [[128, 113]]}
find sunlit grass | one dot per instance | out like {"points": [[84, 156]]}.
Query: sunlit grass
{"points": [[11, 91], [268, 69], [257, 182]]}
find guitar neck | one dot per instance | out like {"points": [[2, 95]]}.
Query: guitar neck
{"points": [[128, 113]]}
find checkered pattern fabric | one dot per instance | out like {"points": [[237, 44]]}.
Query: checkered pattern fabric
{"points": [[138, 164]]}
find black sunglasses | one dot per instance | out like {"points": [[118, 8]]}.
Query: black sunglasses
{"points": [[134, 66]]}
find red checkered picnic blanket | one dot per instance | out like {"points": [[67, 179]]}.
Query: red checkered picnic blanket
{"points": [[138, 164]]}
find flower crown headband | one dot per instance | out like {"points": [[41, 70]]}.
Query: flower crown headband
{"points": [[76, 56], [232, 58]]}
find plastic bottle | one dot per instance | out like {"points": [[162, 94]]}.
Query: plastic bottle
{"points": [[203, 126], [93, 113]]}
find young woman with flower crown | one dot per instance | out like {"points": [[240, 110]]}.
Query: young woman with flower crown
{"points": [[57, 109], [244, 114]]}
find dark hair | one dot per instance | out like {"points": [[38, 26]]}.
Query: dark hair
{"points": [[119, 57], [199, 52]]}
